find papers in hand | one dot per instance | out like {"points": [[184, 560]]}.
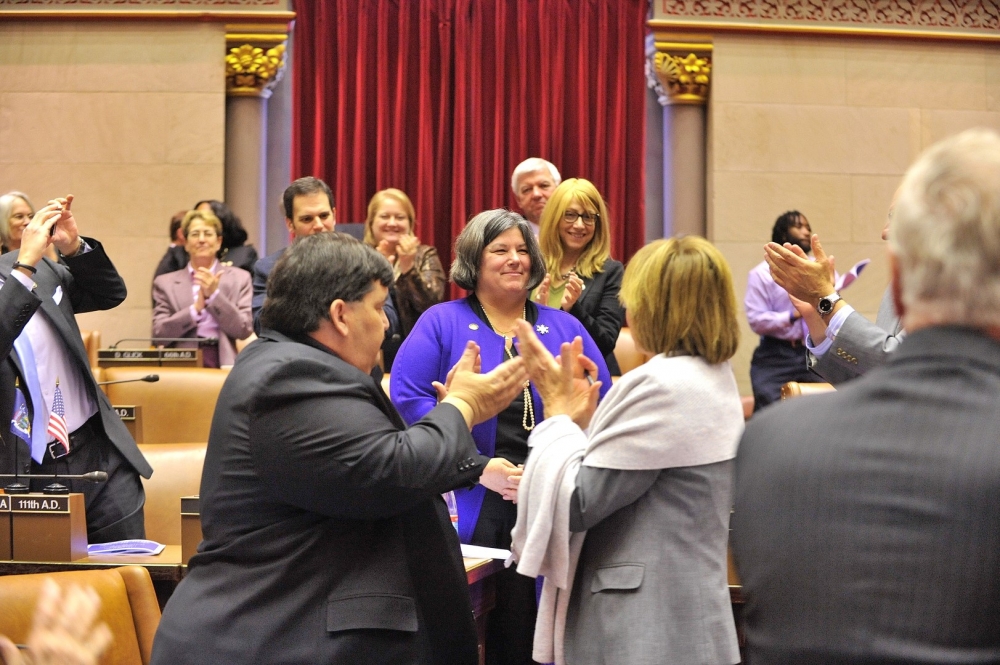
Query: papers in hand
{"points": [[477, 552], [147, 547], [848, 277]]}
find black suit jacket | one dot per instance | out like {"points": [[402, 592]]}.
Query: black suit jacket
{"points": [[89, 282], [326, 539], [599, 311], [867, 521]]}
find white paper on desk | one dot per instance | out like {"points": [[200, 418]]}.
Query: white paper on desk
{"points": [[477, 552], [147, 547]]}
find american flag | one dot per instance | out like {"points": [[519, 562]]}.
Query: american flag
{"points": [[57, 419]]}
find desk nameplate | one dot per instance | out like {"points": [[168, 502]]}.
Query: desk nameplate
{"points": [[4, 503], [149, 357], [125, 412], [39, 504], [147, 354], [191, 505]]}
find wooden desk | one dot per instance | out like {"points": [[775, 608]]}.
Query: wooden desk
{"points": [[167, 571], [483, 591], [165, 568]]}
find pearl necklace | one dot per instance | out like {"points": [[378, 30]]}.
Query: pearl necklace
{"points": [[528, 419]]}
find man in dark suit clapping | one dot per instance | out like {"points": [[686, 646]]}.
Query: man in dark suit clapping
{"points": [[325, 536], [867, 521]]}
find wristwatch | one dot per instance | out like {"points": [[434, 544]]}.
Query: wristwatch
{"points": [[826, 304]]}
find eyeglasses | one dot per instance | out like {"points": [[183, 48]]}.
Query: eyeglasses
{"points": [[588, 218], [207, 235]]}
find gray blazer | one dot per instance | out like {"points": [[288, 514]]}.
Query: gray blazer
{"points": [[860, 344], [651, 583], [866, 519]]}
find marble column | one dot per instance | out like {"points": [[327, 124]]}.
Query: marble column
{"points": [[684, 70], [254, 65]]}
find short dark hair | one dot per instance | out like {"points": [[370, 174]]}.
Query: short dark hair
{"points": [[779, 232], [480, 232], [233, 233], [175, 224], [303, 187], [315, 271]]}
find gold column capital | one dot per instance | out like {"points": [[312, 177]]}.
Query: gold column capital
{"points": [[254, 62], [685, 71]]}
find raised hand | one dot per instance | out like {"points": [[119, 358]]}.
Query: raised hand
{"points": [[484, 395], [36, 237], [542, 292], [208, 281], [67, 236], [563, 385], [574, 289], [65, 631], [471, 351], [406, 251], [386, 249], [793, 271]]}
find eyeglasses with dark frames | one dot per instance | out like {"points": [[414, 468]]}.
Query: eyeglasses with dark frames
{"points": [[588, 218]]}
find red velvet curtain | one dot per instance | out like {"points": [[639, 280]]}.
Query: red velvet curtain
{"points": [[443, 98]]}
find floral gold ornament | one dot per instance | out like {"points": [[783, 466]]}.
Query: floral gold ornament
{"points": [[686, 78], [251, 70]]}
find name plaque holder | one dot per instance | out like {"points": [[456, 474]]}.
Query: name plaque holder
{"points": [[190, 527], [149, 358], [48, 528], [131, 415], [5, 536]]}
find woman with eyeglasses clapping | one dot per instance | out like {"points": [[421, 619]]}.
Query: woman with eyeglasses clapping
{"points": [[582, 278]]}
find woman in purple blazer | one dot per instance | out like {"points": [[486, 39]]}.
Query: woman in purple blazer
{"points": [[499, 263], [204, 298]]}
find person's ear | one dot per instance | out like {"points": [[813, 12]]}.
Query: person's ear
{"points": [[338, 317], [897, 286]]}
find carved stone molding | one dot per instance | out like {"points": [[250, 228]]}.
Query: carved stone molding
{"points": [[255, 61], [686, 78], [944, 19]]}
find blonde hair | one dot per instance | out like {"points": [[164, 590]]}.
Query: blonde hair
{"points": [[377, 199], [679, 297], [598, 250], [206, 217]]}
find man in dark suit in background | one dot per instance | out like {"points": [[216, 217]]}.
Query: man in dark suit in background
{"points": [[309, 209], [326, 538], [867, 521], [45, 359]]}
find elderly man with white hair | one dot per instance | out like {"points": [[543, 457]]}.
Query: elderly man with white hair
{"points": [[866, 520], [533, 182]]}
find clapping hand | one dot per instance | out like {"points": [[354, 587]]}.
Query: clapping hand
{"points": [[564, 385], [406, 252], [481, 396], [793, 271], [65, 631], [574, 289], [542, 292]]}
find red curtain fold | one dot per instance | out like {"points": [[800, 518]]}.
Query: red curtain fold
{"points": [[443, 98]]}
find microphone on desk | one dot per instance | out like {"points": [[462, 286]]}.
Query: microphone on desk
{"points": [[149, 378], [55, 487], [202, 341]]}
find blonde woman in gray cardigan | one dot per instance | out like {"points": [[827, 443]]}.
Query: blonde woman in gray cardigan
{"points": [[625, 509]]}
